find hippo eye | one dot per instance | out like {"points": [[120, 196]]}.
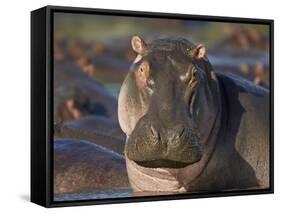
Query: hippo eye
{"points": [[142, 74], [189, 74], [144, 68], [184, 77]]}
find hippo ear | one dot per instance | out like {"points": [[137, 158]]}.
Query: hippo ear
{"points": [[138, 45], [199, 51]]}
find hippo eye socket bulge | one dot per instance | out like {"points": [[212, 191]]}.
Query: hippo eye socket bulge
{"points": [[131, 106]]}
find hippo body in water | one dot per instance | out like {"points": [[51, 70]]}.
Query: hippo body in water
{"points": [[77, 95], [189, 129], [84, 110], [80, 166], [97, 130]]}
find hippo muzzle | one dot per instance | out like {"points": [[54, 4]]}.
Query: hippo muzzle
{"points": [[155, 146]]}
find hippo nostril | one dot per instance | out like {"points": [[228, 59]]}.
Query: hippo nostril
{"points": [[154, 132], [182, 132]]}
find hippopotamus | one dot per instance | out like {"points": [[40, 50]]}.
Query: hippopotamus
{"points": [[188, 128], [80, 166], [77, 95], [97, 130]]}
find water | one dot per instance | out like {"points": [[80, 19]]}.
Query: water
{"points": [[99, 194]]}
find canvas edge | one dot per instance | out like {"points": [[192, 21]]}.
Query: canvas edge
{"points": [[38, 108], [47, 165]]}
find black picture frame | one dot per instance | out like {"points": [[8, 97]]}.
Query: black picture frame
{"points": [[42, 102]]}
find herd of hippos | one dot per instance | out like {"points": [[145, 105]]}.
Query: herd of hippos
{"points": [[177, 126]]}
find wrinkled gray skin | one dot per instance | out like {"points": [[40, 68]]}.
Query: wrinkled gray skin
{"points": [[189, 129], [80, 166], [90, 97]]}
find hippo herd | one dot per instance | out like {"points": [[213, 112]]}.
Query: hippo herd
{"points": [[178, 126]]}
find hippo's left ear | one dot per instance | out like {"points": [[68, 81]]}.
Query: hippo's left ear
{"points": [[198, 52], [138, 45]]}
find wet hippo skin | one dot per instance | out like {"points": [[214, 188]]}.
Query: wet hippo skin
{"points": [[243, 142], [188, 128], [98, 130], [80, 166], [77, 95]]}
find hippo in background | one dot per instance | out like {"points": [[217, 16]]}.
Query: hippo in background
{"points": [[80, 166], [88, 142], [249, 59], [84, 110], [97, 130], [188, 128], [77, 95]]}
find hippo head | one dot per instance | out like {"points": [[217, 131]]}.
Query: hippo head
{"points": [[164, 102]]}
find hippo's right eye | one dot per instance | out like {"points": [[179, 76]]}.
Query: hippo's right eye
{"points": [[142, 74], [191, 73], [144, 68], [184, 77]]}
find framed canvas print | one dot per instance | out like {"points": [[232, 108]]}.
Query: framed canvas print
{"points": [[138, 106]]}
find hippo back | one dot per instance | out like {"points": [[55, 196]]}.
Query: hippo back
{"points": [[241, 156]]}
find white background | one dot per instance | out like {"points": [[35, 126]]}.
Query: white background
{"points": [[15, 106]]}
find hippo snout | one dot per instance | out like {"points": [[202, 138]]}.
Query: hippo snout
{"points": [[153, 145]]}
